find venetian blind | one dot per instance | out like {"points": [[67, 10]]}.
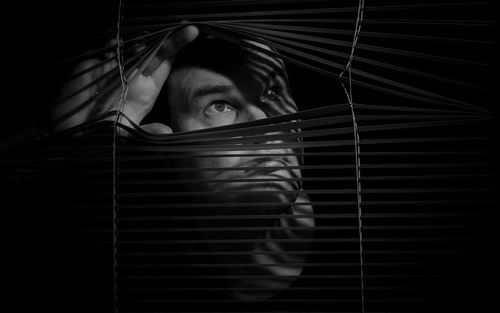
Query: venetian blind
{"points": [[393, 139]]}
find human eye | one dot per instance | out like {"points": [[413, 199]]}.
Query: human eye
{"points": [[218, 107], [272, 93]]}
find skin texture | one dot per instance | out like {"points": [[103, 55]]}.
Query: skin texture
{"points": [[203, 97], [206, 97], [143, 90]]}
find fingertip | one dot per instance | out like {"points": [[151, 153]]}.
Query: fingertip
{"points": [[139, 47], [157, 129], [177, 40], [191, 32], [185, 35]]}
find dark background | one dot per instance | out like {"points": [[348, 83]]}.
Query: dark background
{"points": [[38, 35]]}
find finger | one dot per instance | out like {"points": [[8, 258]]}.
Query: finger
{"points": [[110, 47], [157, 128], [180, 39], [139, 47], [177, 40], [108, 67], [161, 73], [171, 46], [109, 103]]}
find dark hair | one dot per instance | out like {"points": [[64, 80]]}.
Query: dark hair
{"points": [[210, 53]]}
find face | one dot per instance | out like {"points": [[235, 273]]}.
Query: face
{"points": [[202, 98]]}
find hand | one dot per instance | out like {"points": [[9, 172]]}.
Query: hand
{"points": [[143, 89]]}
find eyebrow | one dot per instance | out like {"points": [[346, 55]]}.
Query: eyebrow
{"points": [[211, 89]]}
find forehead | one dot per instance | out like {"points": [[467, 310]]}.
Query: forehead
{"points": [[222, 56], [264, 52], [188, 86], [187, 80], [253, 72]]}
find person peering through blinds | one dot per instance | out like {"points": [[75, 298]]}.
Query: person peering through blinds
{"points": [[208, 82]]}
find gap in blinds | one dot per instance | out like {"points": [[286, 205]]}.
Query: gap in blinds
{"points": [[370, 190]]}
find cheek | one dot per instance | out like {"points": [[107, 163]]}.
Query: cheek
{"points": [[224, 119], [214, 160], [188, 123], [220, 159]]}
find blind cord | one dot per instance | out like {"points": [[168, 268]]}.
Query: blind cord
{"points": [[357, 151], [121, 102]]}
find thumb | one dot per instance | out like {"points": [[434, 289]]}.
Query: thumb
{"points": [[156, 129]]}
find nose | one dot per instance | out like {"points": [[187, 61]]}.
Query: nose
{"points": [[277, 146], [255, 112], [273, 146]]}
